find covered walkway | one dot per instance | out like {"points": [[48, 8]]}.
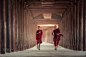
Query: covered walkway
{"points": [[47, 50], [19, 20]]}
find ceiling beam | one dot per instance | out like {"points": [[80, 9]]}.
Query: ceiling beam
{"points": [[48, 21], [47, 7], [54, 4], [48, 1], [47, 10]]}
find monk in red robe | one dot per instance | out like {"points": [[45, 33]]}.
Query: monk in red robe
{"points": [[39, 37], [57, 35]]}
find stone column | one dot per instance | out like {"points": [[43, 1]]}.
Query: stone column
{"points": [[14, 25], [0, 25], [85, 27]]}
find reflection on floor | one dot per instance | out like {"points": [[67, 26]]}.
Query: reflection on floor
{"points": [[46, 50]]}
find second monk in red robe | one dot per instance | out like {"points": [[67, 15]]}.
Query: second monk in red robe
{"points": [[56, 33]]}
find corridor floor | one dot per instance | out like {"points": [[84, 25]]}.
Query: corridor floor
{"points": [[47, 50]]}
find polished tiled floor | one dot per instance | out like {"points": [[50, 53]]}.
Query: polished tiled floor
{"points": [[47, 50]]}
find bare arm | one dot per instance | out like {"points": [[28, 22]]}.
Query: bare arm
{"points": [[58, 33]]}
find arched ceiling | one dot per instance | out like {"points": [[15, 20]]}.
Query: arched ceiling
{"points": [[47, 11]]}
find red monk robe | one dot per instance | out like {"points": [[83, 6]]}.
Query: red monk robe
{"points": [[56, 37], [39, 36]]}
